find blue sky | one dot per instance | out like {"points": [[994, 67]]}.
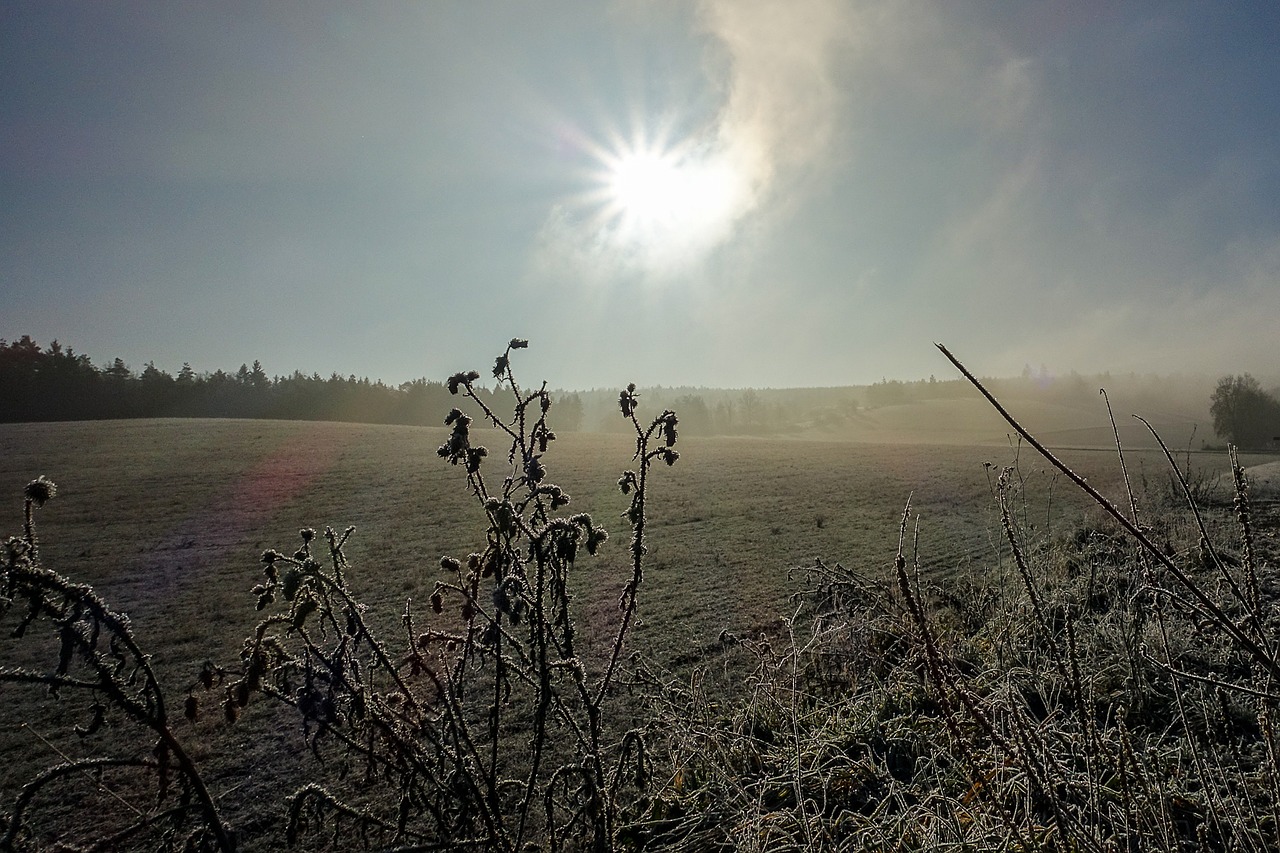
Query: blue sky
{"points": [[727, 192]]}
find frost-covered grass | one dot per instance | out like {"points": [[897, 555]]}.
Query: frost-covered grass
{"points": [[792, 707]]}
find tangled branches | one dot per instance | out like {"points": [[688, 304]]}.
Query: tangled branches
{"points": [[99, 658]]}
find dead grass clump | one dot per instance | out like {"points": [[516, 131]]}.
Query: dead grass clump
{"points": [[1111, 689]]}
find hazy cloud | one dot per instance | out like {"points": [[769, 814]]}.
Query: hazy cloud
{"points": [[783, 89]]}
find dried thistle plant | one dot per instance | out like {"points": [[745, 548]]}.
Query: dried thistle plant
{"points": [[484, 724]]}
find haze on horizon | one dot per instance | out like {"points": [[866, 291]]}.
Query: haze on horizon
{"points": [[726, 193]]}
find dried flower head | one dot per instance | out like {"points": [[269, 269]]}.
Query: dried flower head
{"points": [[40, 490], [464, 379], [627, 401], [595, 538], [558, 496], [669, 422], [458, 447]]}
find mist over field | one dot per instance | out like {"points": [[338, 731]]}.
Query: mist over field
{"points": [[56, 383]]}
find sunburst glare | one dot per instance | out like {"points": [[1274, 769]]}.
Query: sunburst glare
{"points": [[662, 204], [659, 190], [670, 199]]}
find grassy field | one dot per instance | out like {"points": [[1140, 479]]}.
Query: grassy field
{"points": [[167, 520]]}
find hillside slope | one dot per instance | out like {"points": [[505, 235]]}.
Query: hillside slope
{"points": [[973, 421]]}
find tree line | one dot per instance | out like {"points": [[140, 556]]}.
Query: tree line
{"points": [[57, 383]]}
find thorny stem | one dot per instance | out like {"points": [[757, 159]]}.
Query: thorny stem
{"points": [[630, 592], [1246, 532], [84, 770], [29, 529]]}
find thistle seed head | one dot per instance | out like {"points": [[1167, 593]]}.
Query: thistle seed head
{"points": [[40, 490]]}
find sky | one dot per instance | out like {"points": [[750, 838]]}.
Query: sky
{"points": [[732, 193]]}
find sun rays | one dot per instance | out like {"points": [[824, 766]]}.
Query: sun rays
{"points": [[658, 203]]}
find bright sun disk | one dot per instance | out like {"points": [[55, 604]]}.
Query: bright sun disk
{"points": [[649, 187], [665, 199]]}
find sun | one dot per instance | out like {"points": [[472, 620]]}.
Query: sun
{"points": [[649, 187], [666, 200], [657, 201]]}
